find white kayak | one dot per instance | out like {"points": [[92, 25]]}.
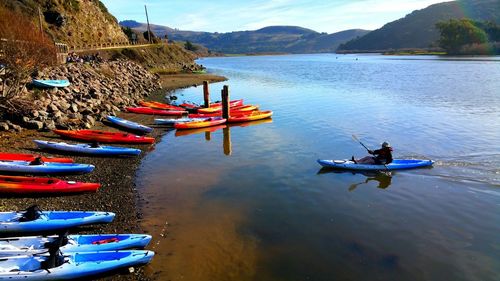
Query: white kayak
{"points": [[87, 148], [396, 164]]}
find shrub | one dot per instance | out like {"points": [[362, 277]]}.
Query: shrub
{"points": [[23, 49]]}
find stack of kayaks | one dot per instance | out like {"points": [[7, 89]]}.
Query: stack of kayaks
{"points": [[396, 164], [152, 111], [87, 148], [38, 186], [104, 137], [30, 157], [44, 168], [51, 83], [208, 122], [129, 124]]}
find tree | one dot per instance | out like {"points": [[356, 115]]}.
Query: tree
{"points": [[456, 34], [23, 49], [190, 47]]}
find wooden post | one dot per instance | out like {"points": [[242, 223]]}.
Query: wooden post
{"points": [[227, 141], [206, 94], [208, 136], [40, 19], [149, 29], [225, 102]]}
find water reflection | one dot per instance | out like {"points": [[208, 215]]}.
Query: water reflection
{"points": [[384, 178]]}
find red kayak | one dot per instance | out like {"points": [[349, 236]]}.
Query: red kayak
{"points": [[103, 136], [29, 185], [152, 111], [159, 105], [30, 157]]}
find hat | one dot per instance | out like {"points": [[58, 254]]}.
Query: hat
{"points": [[386, 144]]}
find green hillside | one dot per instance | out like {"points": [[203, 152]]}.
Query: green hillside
{"points": [[272, 39], [418, 30]]}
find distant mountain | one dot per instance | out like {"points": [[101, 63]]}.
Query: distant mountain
{"points": [[417, 30], [271, 39]]}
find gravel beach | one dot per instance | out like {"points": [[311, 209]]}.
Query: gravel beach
{"points": [[116, 175]]}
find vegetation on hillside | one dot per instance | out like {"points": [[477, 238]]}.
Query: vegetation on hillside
{"points": [[456, 35], [23, 50], [418, 29]]}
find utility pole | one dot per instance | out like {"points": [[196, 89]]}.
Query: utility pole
{"points": [[149, 29]]}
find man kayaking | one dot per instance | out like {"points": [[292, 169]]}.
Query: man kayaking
{"points": [[383, 156]]}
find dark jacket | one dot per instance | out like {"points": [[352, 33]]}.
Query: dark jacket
{"points": [[383, 155]]}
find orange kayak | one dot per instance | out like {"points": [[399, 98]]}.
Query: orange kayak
{"points": [[103, 136], [30, 157], [212, 121], [254, 115], [233, 108], [159, 105], [30, 185]]}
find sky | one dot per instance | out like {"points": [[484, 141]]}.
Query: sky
{"points": [[236, 15]]}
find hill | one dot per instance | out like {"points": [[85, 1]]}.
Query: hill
{"points": [[417, 30], [271, 39], [74, 22]]}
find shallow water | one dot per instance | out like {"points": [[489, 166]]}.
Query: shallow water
{"points": [[251, 203]]}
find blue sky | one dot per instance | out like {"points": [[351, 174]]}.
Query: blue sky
{"points": [[235, 15]]}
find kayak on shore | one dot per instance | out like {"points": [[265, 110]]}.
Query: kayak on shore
{"points": [[30, 157], [44, 168], [32, 185], [151, 111], [396, 164], [14, 246], [129, 124], [34, 220], [208, 122], [254, 115], [87, 148], [58, 266], [172, 122], [51, 83], [159, 105], [104, 136]]}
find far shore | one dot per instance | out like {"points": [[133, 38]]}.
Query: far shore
{"points": [[116, 175]]}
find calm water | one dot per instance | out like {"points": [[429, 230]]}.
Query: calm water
{"points": [[251, 203]]}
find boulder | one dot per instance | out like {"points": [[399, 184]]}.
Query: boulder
{"points": [[4, 126], [33, 124]]}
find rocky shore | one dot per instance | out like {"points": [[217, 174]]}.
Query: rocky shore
{"points": [[116, 175], [97, 89]]}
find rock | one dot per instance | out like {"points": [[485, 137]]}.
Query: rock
{"points": [[74, 107], [4, 126], [89, 119], [49, 125], [35, 125], [34, 113]]}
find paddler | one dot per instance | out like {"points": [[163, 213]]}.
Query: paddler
{"points": [[382, 156]]}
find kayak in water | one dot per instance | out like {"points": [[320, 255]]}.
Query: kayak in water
{"points": [[396, 164]]}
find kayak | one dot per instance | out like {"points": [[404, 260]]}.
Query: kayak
{"points": [[213, 121], [45, 168], [87, 148], [396, 164], [24, 245], [45, 221], [194, 106], [254, 115], [81, 265], [151, 111], [30, 157], [30, 185], [129, 124], [218, 114], [51, 83], [171, 122], [103, 136], [218, 109], [159, 105]]}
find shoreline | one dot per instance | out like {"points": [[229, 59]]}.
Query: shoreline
{"points": [[118, 193]]}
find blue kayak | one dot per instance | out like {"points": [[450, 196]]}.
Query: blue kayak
{"points": [[46, 221], [397, 164], [129, 124], [45, 168], [24, 245], [51, 83], [87, 149], [81, 266]]}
